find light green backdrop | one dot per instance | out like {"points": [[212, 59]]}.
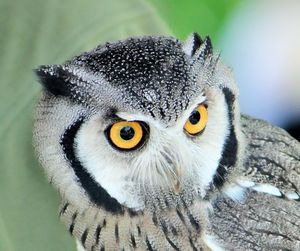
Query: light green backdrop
{"points": [[34, 32]]}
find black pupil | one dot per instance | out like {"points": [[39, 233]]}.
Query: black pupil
{"points": [[127, 133], [194, 117]]}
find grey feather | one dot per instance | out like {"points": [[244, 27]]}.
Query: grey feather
{"points": [[157, 195], [260, 222], [263, 221], [272, 155]]}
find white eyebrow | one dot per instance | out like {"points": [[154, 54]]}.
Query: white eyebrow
{"points": [[139, 117], [130, 116]]}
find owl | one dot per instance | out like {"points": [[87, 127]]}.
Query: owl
{"points": [[144, 140]]}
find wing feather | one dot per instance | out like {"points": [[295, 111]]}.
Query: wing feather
{"points": [[272, 156]]}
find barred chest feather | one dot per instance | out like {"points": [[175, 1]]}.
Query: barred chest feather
{"points": [[171, 229]]}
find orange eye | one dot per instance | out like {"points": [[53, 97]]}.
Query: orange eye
{"points": [[197, 120], [126, 135]]}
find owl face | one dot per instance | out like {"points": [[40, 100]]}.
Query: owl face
{"points": [[142, 123]]}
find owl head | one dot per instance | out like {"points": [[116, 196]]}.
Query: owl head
{"points": [[147, 122]]}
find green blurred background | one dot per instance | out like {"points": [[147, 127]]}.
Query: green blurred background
{"points": [[34, 32]]}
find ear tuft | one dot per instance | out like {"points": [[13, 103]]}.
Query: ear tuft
{"points": [[54, 79], [206, 49], [192, 44]]}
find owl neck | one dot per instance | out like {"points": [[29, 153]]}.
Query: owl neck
{"points": [[171, 229]]}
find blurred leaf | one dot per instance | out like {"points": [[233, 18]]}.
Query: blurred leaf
{"points": [[34, 32], [202, 16]]}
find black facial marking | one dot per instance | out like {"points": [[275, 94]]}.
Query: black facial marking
{"points": [[97, 194], [229, 154]]}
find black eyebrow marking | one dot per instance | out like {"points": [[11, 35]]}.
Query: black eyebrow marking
{"points": [[96, 192], [230, 148]]}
